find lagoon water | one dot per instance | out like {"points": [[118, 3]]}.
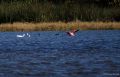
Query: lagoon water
{"points": [[55, 54]]}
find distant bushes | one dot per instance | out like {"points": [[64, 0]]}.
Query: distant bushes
{"points": [[32, 11]]}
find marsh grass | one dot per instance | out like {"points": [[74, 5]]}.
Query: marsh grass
{"points": [[20, 11], [60, 26]]}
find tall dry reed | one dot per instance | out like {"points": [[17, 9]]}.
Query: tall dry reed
{"points": [[60, 26]]}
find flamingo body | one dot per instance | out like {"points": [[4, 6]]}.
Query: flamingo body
{"points": [[72, 33]]}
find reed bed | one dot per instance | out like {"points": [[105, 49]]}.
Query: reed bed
{"points": [[42, 11], [59, 26]]}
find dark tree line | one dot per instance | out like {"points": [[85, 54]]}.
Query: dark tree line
{"points": [[59, 10], [101, 2]]}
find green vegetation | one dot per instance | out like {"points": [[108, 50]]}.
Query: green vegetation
{"points": [[59, 10]]}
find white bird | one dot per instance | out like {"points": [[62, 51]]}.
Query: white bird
{"points": [[21, 35]]}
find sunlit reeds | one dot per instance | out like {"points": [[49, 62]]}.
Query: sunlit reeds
{"points": [[60, 26]]}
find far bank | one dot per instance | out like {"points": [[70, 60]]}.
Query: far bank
{"points": [[59, 26]]}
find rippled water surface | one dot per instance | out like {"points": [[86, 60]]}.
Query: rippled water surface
{"points": [[55, 54]]}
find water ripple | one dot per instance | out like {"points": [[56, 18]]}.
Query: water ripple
{"points": [[45, 54]]}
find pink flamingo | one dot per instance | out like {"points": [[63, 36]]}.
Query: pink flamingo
{"points": [[72, 32]]}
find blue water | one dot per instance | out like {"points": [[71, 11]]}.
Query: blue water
{"points": [[55, 54]]}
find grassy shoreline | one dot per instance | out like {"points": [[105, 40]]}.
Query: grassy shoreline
{"points": [[59, 26]]}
